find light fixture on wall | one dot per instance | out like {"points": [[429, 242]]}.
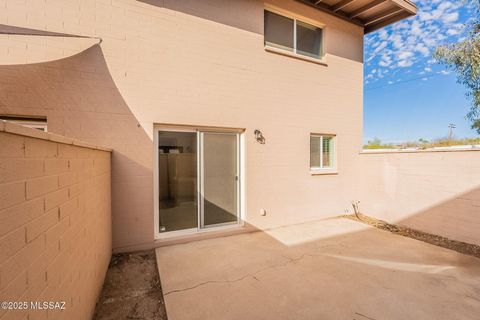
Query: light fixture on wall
{"points": [[259, 136]]}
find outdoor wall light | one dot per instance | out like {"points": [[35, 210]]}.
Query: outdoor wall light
{"points": [[259, 136]]}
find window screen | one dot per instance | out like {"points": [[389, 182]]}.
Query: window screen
{"points": [[327, 152], [322, 151]]}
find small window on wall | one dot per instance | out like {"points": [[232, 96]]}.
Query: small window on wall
{"points": [[38, 123], [322, 152], [293, 35]]}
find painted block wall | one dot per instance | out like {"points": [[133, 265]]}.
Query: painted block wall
{"points": [[55, 222], [190, 62], [436, 192]]}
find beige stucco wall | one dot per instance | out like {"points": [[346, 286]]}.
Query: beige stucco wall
{"points": [[436, 192], [55, 223], [196, 63]]}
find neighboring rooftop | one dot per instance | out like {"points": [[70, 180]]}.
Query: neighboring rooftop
{"points": [[370, 14]]}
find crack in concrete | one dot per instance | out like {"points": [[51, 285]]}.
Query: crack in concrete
{"points": [[252, 274], [248, 275]]}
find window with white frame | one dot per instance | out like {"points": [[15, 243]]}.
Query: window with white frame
{"points": [[292, 35], [322, 152]]}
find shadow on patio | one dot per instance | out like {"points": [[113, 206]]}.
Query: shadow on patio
{"points": [[329, 269]]}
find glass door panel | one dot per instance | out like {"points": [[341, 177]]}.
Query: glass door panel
{"points": [[219, 179], [177, 167]]}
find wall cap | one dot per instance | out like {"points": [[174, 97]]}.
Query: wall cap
{"points": [[13, 128], [396, 151]]}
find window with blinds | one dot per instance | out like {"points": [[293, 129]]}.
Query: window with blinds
{"points": [[322, 152], [292, 35]]}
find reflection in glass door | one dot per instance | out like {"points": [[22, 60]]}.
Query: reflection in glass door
{"points": [[198, 180], [219, 180], [177, 168]]}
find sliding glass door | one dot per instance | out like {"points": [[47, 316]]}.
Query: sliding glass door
{"points": [[219, 181], [178, 184], [198, 180]]}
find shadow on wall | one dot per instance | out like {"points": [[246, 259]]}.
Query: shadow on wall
{"points": [[247, 15], [435, 192], [6, 29], [457, 218], [28, 46], [231, 13], [80, 100]]}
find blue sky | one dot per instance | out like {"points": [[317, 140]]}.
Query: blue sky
{"points": [[408, 95]]}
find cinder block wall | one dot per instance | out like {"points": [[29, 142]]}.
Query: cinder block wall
{"points": [[200, 63], [432, 191], [55, 222]]}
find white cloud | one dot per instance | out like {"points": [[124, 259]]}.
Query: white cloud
{"points": [[453, 32], [405, 55], [450, 17], [405, 63], [383, 34], [409, 44], [385, 60]]}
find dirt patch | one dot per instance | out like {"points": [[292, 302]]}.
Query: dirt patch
{"points": [[132, 289], [461, 247]]}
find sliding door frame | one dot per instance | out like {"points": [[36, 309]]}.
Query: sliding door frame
{"points": [[241, 200], [201, 179]]}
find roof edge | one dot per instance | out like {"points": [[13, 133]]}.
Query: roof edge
{"points": [[372, 15]]}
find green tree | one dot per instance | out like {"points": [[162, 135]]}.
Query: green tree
{"points": [[476, 125], [464, 58], [376, 143]]}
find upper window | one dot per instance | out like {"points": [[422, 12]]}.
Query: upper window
{"points": [[39, 123], [293, 35], [322, 152]]}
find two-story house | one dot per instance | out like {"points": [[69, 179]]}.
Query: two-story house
{"points": [[224, 116]]}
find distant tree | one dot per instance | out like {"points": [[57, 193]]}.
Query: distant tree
{"points": [[375, 142], [464, 58], [476, 125], [422, 143]]}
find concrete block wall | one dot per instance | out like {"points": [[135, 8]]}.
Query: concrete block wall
{"points": [[55, 222], [433, 191], [199, 63]]}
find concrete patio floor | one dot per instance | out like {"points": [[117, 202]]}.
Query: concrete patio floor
{"points": [[329, 269]]}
